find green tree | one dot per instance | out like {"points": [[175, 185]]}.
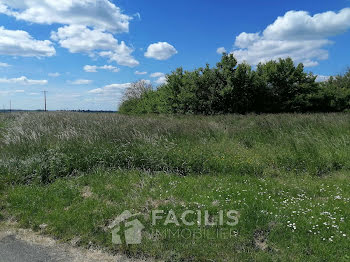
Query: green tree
{"points": [[275, 86], [285, 87]]}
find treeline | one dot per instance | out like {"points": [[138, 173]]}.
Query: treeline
{"points": [[273, 87]]}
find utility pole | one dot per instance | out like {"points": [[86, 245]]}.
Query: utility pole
{"points": [[10, 106], [45, 92]]}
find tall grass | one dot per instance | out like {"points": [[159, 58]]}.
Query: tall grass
{"points": [[40, 147], [287, 175]]}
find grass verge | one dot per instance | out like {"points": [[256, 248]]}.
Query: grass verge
{"points": [[286, 218]]}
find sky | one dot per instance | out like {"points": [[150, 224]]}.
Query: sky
{"points": [[85, 53]]}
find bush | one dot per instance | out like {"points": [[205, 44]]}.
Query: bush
{"points": [[274, 87]]}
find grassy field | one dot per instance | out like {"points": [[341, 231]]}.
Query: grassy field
{"points": [[69, 175]]}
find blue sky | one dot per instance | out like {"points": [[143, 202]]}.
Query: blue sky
{"points": [[86, 52]]}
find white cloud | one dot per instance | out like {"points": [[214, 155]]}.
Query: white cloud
{"points": [[101, 14], [110, 89], [110, 68], [11, 92], [77, 38], [4, 65], [160, 51], [307, 51], [80, 82], [20, 43], [146, 81], [90, 69], [244, 40], [321, 78], [297, 35], [140, 73], [300, 25], [221, 50], [89, 25], [94, 68], [122, 55], [161, 80], [157, 74], [22, 81], [54, 74]]}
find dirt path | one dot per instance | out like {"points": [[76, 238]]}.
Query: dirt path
{"points": [[22, 245]]}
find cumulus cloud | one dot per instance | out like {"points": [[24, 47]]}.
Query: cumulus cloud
{"points": [[140, 73], [94, 68], [300, 25], [110, 89], [221, 50], [160, 51], [101, 14], [78, 38], [22, 81], [244, 40], [54, 74], [80, 82], [89, 26], [20, 43], [297, 34], [301, 51], [161, 80], [122, 55]]}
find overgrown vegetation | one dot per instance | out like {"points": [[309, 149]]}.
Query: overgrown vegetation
{"points": [[287, 175], [273, 87], [39, 147]]}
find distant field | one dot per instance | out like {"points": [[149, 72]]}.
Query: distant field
{"points": [[288, 175]]}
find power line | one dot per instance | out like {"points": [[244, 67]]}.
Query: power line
{"points": [[45, 92]]}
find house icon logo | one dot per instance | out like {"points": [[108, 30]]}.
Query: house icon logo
{"points": [[126, 230]]}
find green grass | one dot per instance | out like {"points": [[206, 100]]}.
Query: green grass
{"points": [[287, 175]]}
